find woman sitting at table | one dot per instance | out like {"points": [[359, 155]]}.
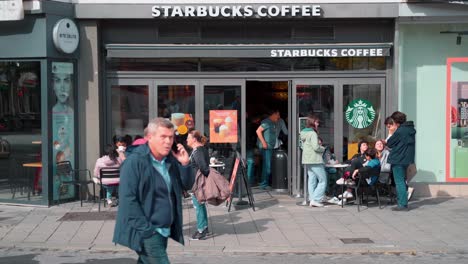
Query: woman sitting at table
{"points": [[111, 159]]}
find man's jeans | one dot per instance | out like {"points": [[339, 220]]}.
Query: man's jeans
{"points": [[201, 214], [154, 250], [266, 167], [399, 176]]}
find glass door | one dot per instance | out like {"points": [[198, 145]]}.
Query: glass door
{"points": [[315, 97], [350, 110], [129, 107], [176, 100], [223, 119]]}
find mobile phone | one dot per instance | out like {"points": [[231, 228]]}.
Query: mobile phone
{"points": [[174, 146]]}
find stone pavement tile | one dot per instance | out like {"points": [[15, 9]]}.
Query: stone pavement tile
{"points": [[65, 232], [87, 232], [22, 230], [106, 233], [44, 230]]}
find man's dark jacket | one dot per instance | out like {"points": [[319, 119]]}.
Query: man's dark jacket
{"points": [[144, 200], [403, 144]]}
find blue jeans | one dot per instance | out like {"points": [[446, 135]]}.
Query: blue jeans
{"points": [[154, 250], [109, 190], [399, 176], [317, 183], [201, 214], [266, 167], [251, 166]]}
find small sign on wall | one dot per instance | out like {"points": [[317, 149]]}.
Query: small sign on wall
{"points": [[11, 10]]}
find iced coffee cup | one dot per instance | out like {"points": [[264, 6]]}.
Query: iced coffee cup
{"points": [[178, 119], [217, 122], [223, 131], [228, 123]]}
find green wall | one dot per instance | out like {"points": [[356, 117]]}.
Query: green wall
{"points": [[422, 89]]}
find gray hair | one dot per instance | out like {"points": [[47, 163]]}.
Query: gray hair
{"points": [[154, 124]]}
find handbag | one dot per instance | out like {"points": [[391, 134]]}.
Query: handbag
{"points": [[410, 172], [213, 189]]}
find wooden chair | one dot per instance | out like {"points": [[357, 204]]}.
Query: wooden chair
{"points": [[107, 173], [69, 176]]}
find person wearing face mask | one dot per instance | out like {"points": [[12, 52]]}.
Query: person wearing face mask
{"points": [[121, 146], [110, 160]]}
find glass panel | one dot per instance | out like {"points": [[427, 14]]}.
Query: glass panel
{"points": [[177, 102], [318, 100], [20, 132], [459, 120], [222, 115], [129, 110], [362, 116]]}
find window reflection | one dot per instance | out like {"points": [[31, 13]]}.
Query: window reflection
{"points": [[20, 131]]}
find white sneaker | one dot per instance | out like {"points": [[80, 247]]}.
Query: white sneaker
{"points": [[340, 181], [333, 200], [410, 192], [304, 203], [346, 195], [109, 201], [315, 204]]}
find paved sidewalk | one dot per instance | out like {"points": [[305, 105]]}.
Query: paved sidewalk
{"points": [[279, 225]]}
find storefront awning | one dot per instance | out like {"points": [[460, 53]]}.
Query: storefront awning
{"points": [[248, 51]]}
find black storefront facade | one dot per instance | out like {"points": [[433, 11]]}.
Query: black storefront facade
{"points": [[221, 70], [205, 67]]}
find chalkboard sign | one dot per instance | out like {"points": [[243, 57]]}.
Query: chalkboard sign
{"points": [[233, 177]]}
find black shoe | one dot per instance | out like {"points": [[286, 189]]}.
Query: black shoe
{"points": [[200, 236], [400, 208]]}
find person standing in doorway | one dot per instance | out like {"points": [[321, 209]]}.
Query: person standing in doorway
{"points": [[199, 159], [402, 144], [151, 182], [267, 134], [312, 158]]}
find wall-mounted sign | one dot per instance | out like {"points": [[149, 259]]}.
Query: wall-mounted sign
{"points": [[223, 126], [11, 10], [332, 52], [168, 11], [66, 36], [360, 113]]}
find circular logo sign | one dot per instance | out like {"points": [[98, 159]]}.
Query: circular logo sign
{"points": [[66, 36], [360, 113]]}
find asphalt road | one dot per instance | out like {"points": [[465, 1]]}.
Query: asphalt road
{"points": [[14, 256]]}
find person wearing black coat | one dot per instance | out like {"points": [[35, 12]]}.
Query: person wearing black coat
{"points": [[403, 144]]}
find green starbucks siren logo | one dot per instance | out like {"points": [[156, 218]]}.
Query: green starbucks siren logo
{"points": [[360, 113]]}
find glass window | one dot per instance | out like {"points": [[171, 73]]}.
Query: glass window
{"points": [[177, 102], [222, 115], [458, 91], [129, 110], [362, 115], [20, 132]]}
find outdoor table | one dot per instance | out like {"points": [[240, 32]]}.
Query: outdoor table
{"points": [[339, 167]]}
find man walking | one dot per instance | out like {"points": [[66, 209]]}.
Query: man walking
{"points": [[268, 133], [150, 203]]}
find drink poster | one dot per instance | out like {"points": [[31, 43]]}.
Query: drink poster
{"points": [[183, 123], [223, 126]]}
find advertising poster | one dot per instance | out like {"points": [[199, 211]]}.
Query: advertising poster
{"points": [[63, 123], [223, 126], [182, 122]]}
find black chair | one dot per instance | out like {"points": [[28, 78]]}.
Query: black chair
{"points": [[69, 176], [107, 173], [385, 186], [363, 188]]}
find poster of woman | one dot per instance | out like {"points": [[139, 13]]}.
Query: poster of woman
{"points": [[63, 122]]}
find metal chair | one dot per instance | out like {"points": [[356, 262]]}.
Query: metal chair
{"points": [[107, 173], [69, 176], [362, 187]]}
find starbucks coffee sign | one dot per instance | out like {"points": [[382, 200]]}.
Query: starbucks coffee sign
{"points": [[245, 11], [360, 113]]}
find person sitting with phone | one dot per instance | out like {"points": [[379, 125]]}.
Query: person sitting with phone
{"points": [[110, 160]]}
